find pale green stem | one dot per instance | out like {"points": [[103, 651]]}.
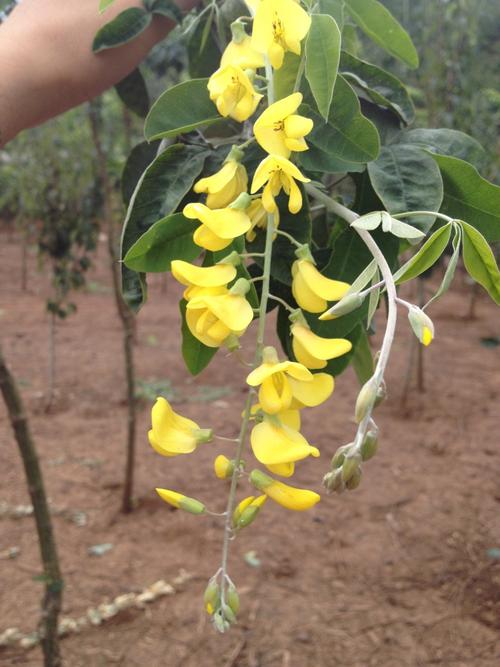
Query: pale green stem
{"points": [[288, 236], [282, 302], [300, 72], [408, 214], [228, 529], [386, 272]]}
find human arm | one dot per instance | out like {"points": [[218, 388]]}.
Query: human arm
{"points": [[47, 64]]}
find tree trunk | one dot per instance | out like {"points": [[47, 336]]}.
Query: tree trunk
{"points": [[52, 601], [126, 316]]}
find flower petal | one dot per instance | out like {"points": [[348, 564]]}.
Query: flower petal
{"points": [[202, 276], [313, 393]]}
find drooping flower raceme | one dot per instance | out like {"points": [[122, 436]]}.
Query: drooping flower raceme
{"points": [[171, 434], [312, 290], [233, 93], [274, 173], [279, 130], [279, 26]]}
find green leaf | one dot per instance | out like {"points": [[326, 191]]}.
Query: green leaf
{"points": [[181, 109], [450, 269], [104, 4], [362, 359], [401, 229], [161, 188], [426, 256], [469, 197], [133, 92], [335, 9], [381, 87], [405, 179], [446, 142], [373, 300], [134, 288], [168, 239], [381, 26], [122, 29], [196, 355], [364, 278], [286, 75], [368, 222], [347, 135], [140, 157], [480, 261], [167, 8], [203, 53], [322, 60]]}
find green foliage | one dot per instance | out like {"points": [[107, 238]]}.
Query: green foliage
{"points": [[381, 26], [426, 256], [122, 29], [196, 355], [322, 60], [480, 261], [167, 239], [133, 92], [181, 109]]}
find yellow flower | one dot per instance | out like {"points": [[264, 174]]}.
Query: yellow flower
{"points": [[279, 130], [283, 494], [171, 434], [219, 226], [258, 217], [242, 54], [311, 290], [232, 91], [274, 443], [181, 502], [279, 26], [277, 172], [198, 278], [422, 325], [224, 186], [282, 383], [313, 351], [223, 467], [212, 319]]}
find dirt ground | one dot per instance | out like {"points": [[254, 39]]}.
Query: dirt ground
{"points": [[401, 572]]}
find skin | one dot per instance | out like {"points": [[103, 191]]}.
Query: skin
{"points": [[47, 62]]}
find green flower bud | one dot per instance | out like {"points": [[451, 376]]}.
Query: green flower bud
{"points": [[370, 445], [203, 435], [355, 480], [366, 399], [345, 306], [333, 481], [304, 252], [233, 258], [381, 394], [233, 599], [260, 480], [339, 456], [211, 597], [422, 325], [220, 623], [247, 516], [350, 466], [240, 287], [229, 614]]}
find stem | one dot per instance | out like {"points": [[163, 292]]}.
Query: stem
{"points": [[248, 404], [288, 236], [51, 379], [408, 214], [300, 72], [286, 305], [52, 601], [270, 83], [392, 314]]}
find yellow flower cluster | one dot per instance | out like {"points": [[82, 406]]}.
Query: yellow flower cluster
{"points": [[217, 310]]}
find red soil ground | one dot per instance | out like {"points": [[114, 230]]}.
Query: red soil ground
{"points": [[394, 574]]}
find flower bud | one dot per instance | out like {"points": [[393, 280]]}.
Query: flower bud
{"points": [[203, 435], [249, 513], [229, 614], [355, 480], [369, 446], [223, 467], [345, 306], [381, 394], [350, 467], [339, 456], [333, 481], [233, 258], [366, 399], [220, 623], [422, 325], [211, 597], [233, 599]]}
